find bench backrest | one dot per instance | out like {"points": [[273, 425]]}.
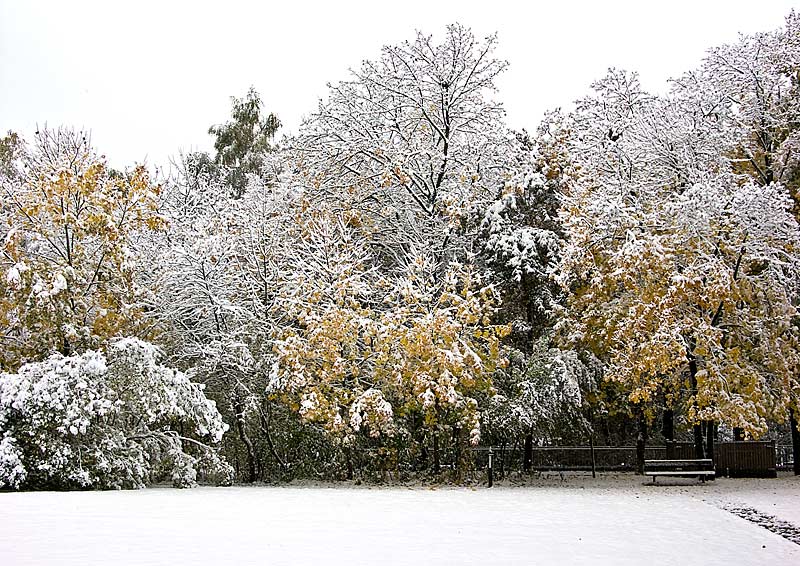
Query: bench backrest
{"points": [[699, 464]]}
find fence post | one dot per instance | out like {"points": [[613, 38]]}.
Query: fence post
{"points": [[527, 459], [795, 442], [491, 471], [641, 442]]}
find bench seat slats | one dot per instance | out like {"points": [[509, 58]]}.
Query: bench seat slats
{"points": [[698, 461], [682, 473], [691, 468], [679, 465], [679, 468]]}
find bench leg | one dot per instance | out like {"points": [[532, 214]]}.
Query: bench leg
{"points": [[654, 479]]}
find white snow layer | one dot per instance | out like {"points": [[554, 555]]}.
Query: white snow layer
{"points": [[590, 523]]}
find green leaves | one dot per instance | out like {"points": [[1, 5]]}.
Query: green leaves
{"points": [[242, 142]]}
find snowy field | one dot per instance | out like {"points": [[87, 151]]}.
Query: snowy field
{"points": [[613, 520]]}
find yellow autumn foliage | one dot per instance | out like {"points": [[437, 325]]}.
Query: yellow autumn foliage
{"points": [[691, 283], [68, 276], [355, 364]]}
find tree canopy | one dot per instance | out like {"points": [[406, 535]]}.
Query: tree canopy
{"points": [[406, 277]]}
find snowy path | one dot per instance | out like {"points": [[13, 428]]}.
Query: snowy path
{"points": [[263, 525]]}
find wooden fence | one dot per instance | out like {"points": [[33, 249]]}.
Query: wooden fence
{"points": [[732, 459], [607, 458], [743, 459], [568, 458], [680, 450], [746, 459]]}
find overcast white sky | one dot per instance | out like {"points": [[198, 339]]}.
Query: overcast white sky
{"points": [[149, 77]]}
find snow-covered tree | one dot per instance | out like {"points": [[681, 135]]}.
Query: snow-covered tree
{"points": [[520, 239], [682, 275], [68, 265], [411, 143], [214, 273], [540, 396], [106, 419], [747, 94], [382, 357], [389, 173]]}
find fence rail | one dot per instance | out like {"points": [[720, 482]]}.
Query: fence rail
{"points": [[746, 459], [733, 459]]}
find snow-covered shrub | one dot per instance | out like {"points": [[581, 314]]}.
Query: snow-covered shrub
{"points": [[102, 420], [184, 473], [540, 394], [214, 470], [12, 472]]}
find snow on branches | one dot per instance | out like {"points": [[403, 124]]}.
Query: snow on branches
{"points": [[747, 94], [363, 279], [388, 325], [541, 393], [412, 141], [682, 265], [368, 357], [107, 420], [68, 267]]}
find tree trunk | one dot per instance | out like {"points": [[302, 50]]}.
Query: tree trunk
{"points": [[738, 434], [436, 463], [527, 459], [795, 441], [698, 432], [457, 463], [641, 441], [668, 425], [710, 439], [699, 453], [245, 438], [266, 416]]}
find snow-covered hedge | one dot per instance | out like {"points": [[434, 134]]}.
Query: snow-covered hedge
{"points": [[113, 419]]}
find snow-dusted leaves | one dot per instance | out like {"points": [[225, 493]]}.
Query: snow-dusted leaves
{"points": [[104, 419]]}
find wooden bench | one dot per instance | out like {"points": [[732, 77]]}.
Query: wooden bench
{"points": [[686, 468]]}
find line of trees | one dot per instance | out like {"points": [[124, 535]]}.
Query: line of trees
{"points": [[407, 277]]}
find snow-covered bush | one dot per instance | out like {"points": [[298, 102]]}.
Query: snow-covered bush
{"points": [[540, 394], [111, 419]]}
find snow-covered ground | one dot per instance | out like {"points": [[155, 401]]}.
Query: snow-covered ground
{"points": [[612, 520]]}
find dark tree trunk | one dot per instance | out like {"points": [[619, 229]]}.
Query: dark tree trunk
{"points": [[698, 432], [738, 434], [457, 463], [641, 441], [795, 441], [241, 428], [436, 463], [527, 459], [668, 425], [710, 439], [266, 416], [699, 453]]}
